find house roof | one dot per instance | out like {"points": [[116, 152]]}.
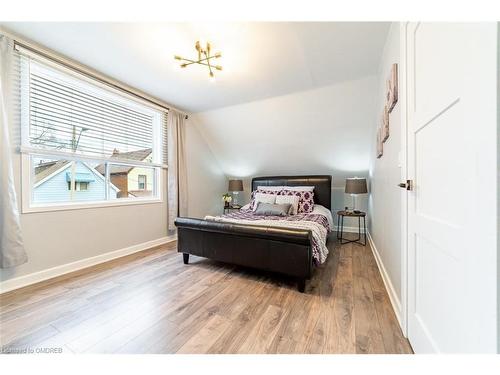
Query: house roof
{"points": [[133, 155], [138, 155], [46, 169]]}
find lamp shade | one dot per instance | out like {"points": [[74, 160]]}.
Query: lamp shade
{"points": [[355, 186], [235, 185]]}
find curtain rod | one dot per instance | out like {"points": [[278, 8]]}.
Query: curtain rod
{"points": [[87, 72]]}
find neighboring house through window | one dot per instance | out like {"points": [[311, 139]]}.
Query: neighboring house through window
{"points": [[52, 183], [132, 181]]}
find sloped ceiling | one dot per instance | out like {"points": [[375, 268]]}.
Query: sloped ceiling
{"points": [[320, 131], [260, 60]]}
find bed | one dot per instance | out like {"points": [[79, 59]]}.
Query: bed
{"points": [[267, 244]]}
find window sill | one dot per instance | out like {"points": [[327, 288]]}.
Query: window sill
{"points": [[88, 205]]}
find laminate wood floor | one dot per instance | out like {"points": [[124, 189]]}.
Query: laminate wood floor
{"points": [[150, 302]]}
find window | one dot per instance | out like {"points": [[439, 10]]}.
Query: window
{"points": [[84, 142], [141, 179], [80, 186]]}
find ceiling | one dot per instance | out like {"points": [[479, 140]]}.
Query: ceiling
{"points": [[260, 60]]}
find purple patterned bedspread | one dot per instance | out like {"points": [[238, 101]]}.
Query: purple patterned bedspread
{"points": [[319, 250], [249, 215]]}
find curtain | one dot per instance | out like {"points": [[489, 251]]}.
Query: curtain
{"points": [[12, 251], [177, 173]]}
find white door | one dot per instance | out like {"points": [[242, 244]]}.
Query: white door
{"points": [[451, 111]]}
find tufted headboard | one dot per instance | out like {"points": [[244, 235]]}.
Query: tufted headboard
{"points": [[322, 185]]}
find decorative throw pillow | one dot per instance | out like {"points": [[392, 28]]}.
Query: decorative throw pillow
{"points": [[258, 191], [268, 209], [306, 200], [293, 200], [263, 197]]}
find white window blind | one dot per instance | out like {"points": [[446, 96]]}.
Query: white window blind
{"points": [[164, 139], [66, 114], [67, 117]]}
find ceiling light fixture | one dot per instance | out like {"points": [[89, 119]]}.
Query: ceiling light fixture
{"points": [[204, 58]]}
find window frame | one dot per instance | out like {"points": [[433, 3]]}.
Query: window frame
{"points": [[27, 152], [139, 182]]}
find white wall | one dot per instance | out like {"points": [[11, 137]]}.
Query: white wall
{"points": [[385, 173], [206, 181], [60, 237], [320, 131]]}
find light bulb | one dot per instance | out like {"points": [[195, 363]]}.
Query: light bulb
{"points": [[203, 43], [212, 78]]}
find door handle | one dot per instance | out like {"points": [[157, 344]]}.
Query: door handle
{"points": [[408, 185]]}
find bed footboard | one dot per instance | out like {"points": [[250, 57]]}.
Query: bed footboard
{"points": [[284, 250]]}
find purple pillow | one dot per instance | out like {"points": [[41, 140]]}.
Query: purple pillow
{"points": [[306, 200]]}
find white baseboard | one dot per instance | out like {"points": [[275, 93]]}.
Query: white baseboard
{"points": [[396, 303], [349, 229], [36, 277]]}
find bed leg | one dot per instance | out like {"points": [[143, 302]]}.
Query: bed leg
{"points": [[301, 285], [185, 257]]}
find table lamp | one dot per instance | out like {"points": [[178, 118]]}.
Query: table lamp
{"points": [[235, 186], [355, 186]]}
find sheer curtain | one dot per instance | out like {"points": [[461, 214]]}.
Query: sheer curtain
{"points": [[177, 173], [12, 251]]}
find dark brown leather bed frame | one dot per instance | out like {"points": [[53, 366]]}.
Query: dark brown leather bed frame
{"points": [[284, 250]]}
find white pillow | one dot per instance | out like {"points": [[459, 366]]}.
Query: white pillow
{"points": [[291, 199], [291, 188], [266, 198], [299, 188], [271, 188]]}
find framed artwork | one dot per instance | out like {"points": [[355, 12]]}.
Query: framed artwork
{"points": [[385, 124], [380, 144], [392, 88]]}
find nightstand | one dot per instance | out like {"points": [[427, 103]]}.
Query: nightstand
{"points": [[340, 226], [230, 209]]}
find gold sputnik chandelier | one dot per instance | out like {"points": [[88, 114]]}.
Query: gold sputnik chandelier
{"points": [[204, 58]]}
